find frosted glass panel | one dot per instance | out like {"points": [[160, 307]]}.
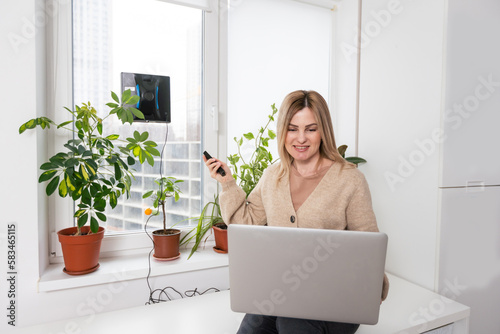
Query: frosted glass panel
{"points": [[274, 47]]}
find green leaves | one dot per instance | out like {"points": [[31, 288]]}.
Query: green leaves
{"points": [[63, 189], [47, 175], [43, 122], [115, 97], [91, 168], [52, 186], [82, 220], [91, 208], [342, 149], [142, 148], [124, 110], [210, 216], [248, 174], [249, 136], [166, 187], [148, 194], [113, 199], [355, 160], [140, 136], [126, 96], [118, 171], [94, 225]]}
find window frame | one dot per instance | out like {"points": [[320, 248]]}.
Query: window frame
{"points": [[60, 92]]}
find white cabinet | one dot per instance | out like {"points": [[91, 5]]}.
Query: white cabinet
{"points": [[448, 329], [435, 70], [471, 116], [469, 257], [469, 242]]}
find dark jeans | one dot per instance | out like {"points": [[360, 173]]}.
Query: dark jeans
{"points": [[264, 324]]}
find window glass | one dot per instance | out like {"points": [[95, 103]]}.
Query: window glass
{"points": [[151, 37]]}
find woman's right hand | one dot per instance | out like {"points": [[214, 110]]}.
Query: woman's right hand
{"points": [[213, 164]]}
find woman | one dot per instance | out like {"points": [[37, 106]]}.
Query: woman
{"points": [[312, 186]]}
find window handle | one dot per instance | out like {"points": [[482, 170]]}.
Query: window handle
{"points": [[215, 118]]}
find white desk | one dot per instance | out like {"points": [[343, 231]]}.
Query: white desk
{"points": [[408, 309], [411, 309]]}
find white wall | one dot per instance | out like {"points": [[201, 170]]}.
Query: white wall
{"points": [[400, 103], [19, 199], [23, 202]]}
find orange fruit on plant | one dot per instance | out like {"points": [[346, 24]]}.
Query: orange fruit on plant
{"points": [[148, 211]]}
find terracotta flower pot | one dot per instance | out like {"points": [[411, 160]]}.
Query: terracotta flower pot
{"points": [[166, 245], [220, 233], [81, 252]]}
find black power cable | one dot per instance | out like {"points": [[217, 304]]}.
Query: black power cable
{"points": [[163, 296]]}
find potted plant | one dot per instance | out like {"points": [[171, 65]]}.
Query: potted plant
{"points": [[210, 219], [247, 174], [220, 231], [94, 170], [166, 241]]}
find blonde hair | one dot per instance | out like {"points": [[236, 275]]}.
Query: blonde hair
{"points": [[294, 102]]}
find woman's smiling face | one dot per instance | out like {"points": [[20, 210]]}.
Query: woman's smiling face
{"points": [[303, 137]]}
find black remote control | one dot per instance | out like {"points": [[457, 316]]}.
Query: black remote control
{"points": [[220, 170]]}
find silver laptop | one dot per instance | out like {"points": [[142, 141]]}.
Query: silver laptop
{"points": [[304, 273]]}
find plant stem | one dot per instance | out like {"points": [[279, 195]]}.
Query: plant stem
{"points": [[241, 156], [164, 217]]}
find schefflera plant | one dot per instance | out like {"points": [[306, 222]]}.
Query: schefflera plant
{"points": [[95, 170]]}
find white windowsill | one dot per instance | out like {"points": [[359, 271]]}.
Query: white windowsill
{"points": [[113, 269]]}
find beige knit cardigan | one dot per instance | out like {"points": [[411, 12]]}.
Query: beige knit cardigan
{"points": [[340, 201]]}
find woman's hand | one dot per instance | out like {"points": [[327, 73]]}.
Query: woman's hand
{"points": [[214, 164]]}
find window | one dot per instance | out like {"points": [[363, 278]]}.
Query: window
{"points": [[108, 37], [152, 37]]}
